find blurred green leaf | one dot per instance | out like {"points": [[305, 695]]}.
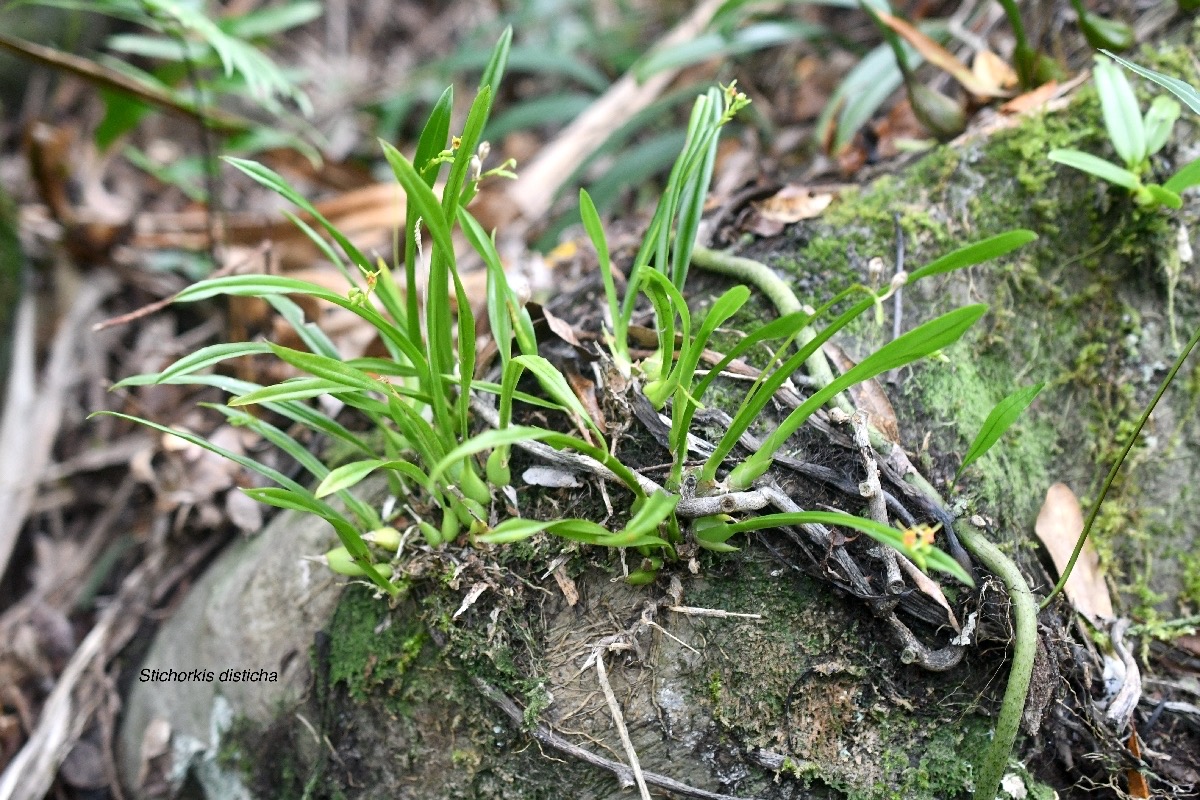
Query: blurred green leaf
{"points": [[1159, 121], [1182, 90], [1094, 165], [1122, 117], [1187, 177], [718, 44]]}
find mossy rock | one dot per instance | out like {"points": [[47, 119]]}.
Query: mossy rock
{"points": [[811, 700]]}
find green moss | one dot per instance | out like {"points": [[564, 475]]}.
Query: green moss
{"points": [[372, 649]]}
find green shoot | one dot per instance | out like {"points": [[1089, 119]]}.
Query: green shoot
{"points": [[1134, 137], [998, 421]]}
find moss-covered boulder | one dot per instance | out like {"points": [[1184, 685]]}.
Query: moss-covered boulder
{"points": [[471, 685]]}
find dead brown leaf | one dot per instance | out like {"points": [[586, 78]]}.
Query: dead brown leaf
{"points": [[1137, 781], [991, 70], [585, 390], [1031, 100], [1059, 524], [942, 58], [566, 585], [793, 203]]}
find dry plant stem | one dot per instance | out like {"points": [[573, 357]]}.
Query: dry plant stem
{"points": [[1121, 709], [614, 708], [1024, 610], [33, 409], [550, 739], [873, 491], [731, 503], [109, 78], [693, 611]]}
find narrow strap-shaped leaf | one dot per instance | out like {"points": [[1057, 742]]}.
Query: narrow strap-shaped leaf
{"points": [[1122, 117], [881, 533], [194, 362], [556, 385], [1094, 165], [1180, 89], [367, 516], [310, 333], [493, 73], [330, 369], [921, 341], [321, 509], [1001, 418], [348, 475], [975, 253], [297, 412], [264, 285], [1187, 177], [487, 440], [275, 182]]}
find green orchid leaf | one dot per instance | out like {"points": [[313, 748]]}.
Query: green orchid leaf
{"points": [[1094, 165], [1122, 117], [1180, 89], [1001, 418]]}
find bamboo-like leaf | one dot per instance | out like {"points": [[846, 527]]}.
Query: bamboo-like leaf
{"points": [[1001, 418], [534, 60], [860, 94], [538, 112], [719, 44], [975, 253], [1094, 165]]}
